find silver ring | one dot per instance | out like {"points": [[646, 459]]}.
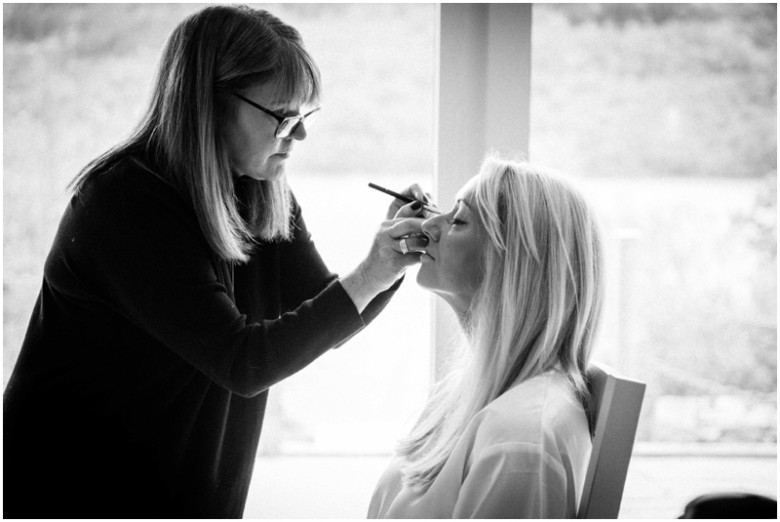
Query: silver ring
{"points": [[404, 246]]}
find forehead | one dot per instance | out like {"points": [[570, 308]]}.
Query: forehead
{"points": [[269, 95], [466, 192]]}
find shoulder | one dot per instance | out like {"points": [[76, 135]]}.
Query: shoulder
{"points": [[535, 413], [528, 452], [129, 194], [127, 179], [125, 207]]}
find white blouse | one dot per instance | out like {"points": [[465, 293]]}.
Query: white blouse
{"points": [[522, 456]]}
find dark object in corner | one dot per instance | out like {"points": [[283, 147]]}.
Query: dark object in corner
{"points": [[731, 505]]}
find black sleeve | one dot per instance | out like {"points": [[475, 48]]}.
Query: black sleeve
{"points": [[136, 247]]}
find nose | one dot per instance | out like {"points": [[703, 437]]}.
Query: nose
{"points": [[431, 227]]}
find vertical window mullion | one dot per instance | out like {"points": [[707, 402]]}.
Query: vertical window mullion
{"points": [[482, 103]]}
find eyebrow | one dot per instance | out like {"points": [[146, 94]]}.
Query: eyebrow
{"points": [[282, 105], [282, 110], [284, 113]]}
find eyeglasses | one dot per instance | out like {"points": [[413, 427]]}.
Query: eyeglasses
{"points": [[287, 124]]}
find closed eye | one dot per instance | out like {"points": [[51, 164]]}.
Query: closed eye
{"points": [[457, 216]]}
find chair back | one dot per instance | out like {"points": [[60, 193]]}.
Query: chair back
{"points": [[616, 402]]}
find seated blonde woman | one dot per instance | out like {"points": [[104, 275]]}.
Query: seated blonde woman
{"points": [[506, 435]]}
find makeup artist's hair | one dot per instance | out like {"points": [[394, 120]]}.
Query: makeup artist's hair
{"points": [[537, 306], [211, 53]]}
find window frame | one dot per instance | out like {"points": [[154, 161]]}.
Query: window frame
{"points": [[482, 102]]}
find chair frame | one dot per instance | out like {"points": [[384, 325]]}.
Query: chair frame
{"points": [[616, 404]]}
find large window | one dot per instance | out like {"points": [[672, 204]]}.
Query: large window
{"points": [[669, 113], [666, 112], [376, 125]]}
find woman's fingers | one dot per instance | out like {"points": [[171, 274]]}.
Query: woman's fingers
{"points": [[386, 262], [407, 237], [405, 227], [414, 209], [426, 198], [413, 244], [415, 192], [389, 257]]}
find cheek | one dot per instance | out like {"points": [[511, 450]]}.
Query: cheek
{"points": [[468, 273], [455, 271], [466, 267], [237, 141], [247, 142]]}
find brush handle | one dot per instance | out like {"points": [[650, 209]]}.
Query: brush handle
{"points": [[403, 198]]}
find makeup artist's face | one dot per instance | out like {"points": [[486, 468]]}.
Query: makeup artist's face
{"points": [[254, 150], [453, 262]]}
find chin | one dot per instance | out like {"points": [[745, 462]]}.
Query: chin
{"points": [[267, 175], [424, 279], [274, 173]]}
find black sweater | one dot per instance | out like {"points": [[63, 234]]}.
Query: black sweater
{"points": [[142, 382]]}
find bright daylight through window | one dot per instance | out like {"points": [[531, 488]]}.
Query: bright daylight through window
{"points": [[668, 113]]}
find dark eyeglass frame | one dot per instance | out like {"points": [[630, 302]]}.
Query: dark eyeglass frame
{"points": [[287, 124]]}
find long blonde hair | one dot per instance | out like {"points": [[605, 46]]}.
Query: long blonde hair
{"points": [[213, 52], [537, 307]]}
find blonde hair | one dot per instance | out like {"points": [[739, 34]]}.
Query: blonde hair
{"points": [[213, 52], [537, 307]]}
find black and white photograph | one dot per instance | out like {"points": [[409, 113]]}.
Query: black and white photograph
{"points": [[389, 260]]}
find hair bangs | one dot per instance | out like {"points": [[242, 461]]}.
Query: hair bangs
{"points": [[296, 77]]}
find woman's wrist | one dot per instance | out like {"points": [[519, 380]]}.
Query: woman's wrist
{"points": [[359, 288]]}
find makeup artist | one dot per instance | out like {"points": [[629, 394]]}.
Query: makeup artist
{"points": [[181, 285]]}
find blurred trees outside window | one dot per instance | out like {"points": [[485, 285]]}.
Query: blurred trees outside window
{"points": [[667, 113]]}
